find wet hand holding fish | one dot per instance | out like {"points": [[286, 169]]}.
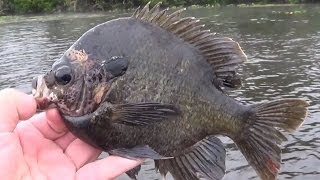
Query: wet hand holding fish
{"points": [[151, 86], [37, 145]]}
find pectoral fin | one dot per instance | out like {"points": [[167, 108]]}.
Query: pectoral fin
{"points": [[142, 113]]}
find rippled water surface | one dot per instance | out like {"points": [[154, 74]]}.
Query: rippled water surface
{"points": [[283, 49]]}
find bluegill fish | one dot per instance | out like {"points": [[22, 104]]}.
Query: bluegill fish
{"points": [[153, 86]]}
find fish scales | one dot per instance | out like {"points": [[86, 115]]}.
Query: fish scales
{"points": [[154, 86]]}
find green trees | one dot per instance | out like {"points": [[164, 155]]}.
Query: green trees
{"points": [[28, 6], [48, 6], [35, 6]]}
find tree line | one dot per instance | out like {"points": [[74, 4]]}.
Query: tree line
{"points": [[49, 6]]}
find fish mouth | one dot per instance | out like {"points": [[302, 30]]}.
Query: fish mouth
{"points": [[44, 97]]}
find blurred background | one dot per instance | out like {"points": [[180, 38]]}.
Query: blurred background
{"points": [[49, 6]]}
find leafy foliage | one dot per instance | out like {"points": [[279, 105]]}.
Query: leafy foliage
{"points": [[40, 6], [35, 6]]}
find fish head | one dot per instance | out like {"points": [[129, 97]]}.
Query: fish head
{"points": [[76, 83]]}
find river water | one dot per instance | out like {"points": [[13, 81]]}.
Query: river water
{"points": [[283, 48]]}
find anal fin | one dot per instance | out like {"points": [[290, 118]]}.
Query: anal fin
{"points": [[204, 160]]}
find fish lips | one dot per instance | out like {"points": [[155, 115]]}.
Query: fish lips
{"points": [[43, 95]]}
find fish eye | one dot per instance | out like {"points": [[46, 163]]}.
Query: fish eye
{"points": [[63, 75]]}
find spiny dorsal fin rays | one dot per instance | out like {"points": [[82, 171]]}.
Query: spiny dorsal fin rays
{"points": [[154, 12], [170, 19], [136, 12], [223, 54], [183, 31], [176, 26], [160, 17], [195, 32], [144, 11]]}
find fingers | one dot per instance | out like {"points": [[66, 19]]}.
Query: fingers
{"points": [[55, 120], [108, 168], [50, 124], [65, 140], [81, 153], [52, 127], [44, 159], [15, 106]]}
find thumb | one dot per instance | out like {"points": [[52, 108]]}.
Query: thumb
{"points": [[15, 106]]}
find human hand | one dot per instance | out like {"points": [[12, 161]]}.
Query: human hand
{"points": [[42, 148]]}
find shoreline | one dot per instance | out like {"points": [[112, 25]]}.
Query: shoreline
{"points": [[121, 9], [91, 14]]}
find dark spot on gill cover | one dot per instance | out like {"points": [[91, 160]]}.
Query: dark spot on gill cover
{"points": [[116, 66]]}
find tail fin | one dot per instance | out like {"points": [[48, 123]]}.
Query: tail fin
{"points": [[259, 140]]}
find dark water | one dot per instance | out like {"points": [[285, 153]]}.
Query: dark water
{"points": [[283, 48]]}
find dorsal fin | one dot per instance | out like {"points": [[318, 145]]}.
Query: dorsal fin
{"points": [[222, 53]]}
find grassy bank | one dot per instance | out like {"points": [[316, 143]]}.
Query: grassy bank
{"points": [[10, 7]]}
